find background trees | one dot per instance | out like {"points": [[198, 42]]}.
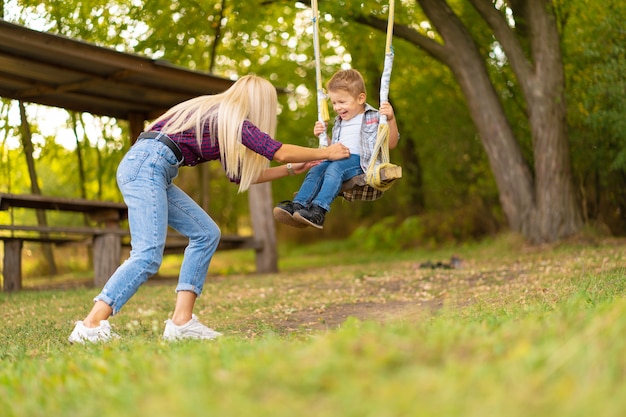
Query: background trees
{"points": [[511, 113]]}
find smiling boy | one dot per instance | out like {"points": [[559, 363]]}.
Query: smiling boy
{"points": [[356, 127]]}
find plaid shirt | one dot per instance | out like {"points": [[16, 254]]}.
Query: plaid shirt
{"points": [[369, 131], [251, 137]]}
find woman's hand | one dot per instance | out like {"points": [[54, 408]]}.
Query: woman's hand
{"points": [[300, 167], [337, 151]]}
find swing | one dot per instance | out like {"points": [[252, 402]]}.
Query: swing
{"points": [[380, 174]]}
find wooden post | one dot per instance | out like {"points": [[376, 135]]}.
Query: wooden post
{"points": [[107, 247], [135, 124], [12, 266], [107, 250], [264, 229]]}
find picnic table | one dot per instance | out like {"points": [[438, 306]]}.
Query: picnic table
{"points": [[107, 235]]}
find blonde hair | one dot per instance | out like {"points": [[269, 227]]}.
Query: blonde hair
{"points": [[252, 98], [349, 80]]}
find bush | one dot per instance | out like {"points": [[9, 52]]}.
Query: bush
{"points": [[467, 223]]}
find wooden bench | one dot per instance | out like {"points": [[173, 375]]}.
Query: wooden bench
{"points": [[106, 238]]}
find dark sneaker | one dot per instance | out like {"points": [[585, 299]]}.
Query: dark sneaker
{"points": [[313, 216], [284, 211]]}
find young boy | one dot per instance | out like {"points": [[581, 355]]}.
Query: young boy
{"points": [[356, 127]]}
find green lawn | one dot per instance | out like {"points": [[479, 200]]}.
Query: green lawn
{"points": [[516, 331]]}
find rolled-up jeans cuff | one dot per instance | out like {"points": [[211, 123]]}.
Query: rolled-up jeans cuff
{"points": [[108, 301], [189, 287]]}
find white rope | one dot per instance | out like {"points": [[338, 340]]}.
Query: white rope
{"points": [[322, 104], [380, 154]]}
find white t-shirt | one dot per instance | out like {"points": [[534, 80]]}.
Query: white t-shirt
{"points": [[350, 133]]}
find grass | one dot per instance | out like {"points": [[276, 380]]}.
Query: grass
{"points": [[517, 331]]}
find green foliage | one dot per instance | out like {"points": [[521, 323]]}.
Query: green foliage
{"points": [[431, 230], [447, 173], [388, 235], [595, 57], [103, 22]]}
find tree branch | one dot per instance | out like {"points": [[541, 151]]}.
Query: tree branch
{"points": [[506, 37], [430, 46]]}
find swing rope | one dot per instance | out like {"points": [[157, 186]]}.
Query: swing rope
{"points": [[380, 155], [322, 104]]}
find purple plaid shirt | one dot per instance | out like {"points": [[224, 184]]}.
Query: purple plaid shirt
{"points": [[251, 137]]}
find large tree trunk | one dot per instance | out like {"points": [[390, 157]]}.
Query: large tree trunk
{"points": [[559, 211], [541, 77], [542, 207]]}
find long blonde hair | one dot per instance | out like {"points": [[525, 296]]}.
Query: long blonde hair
{"points": [[252, 98]]}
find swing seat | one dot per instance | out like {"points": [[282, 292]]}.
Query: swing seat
{"points": [[386, 174], [356, 188]]}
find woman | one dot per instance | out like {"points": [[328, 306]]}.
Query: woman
{"points": [[235, 127]]}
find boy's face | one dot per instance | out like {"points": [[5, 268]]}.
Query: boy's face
{"points": [[346, 105]]}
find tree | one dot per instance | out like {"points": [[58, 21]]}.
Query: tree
{"points": [[27, 144], [595, 57], [538, 198]]}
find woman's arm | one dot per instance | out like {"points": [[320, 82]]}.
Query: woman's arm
{"points": [[303, 158], [274, 173], [295, 153]]}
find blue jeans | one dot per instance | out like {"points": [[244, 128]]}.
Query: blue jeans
{"points": [[323, 182], [145, 179]]}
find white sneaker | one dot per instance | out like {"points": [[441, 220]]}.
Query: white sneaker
{"points": [[193, 329], [82, 334]]}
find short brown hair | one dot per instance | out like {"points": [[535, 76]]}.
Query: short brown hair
{"points": [[349, 80]]}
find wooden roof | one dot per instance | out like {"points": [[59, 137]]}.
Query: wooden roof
{"points": [[54, 70]]}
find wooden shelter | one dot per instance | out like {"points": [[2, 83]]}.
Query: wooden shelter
{"points": [[54, 70]]}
